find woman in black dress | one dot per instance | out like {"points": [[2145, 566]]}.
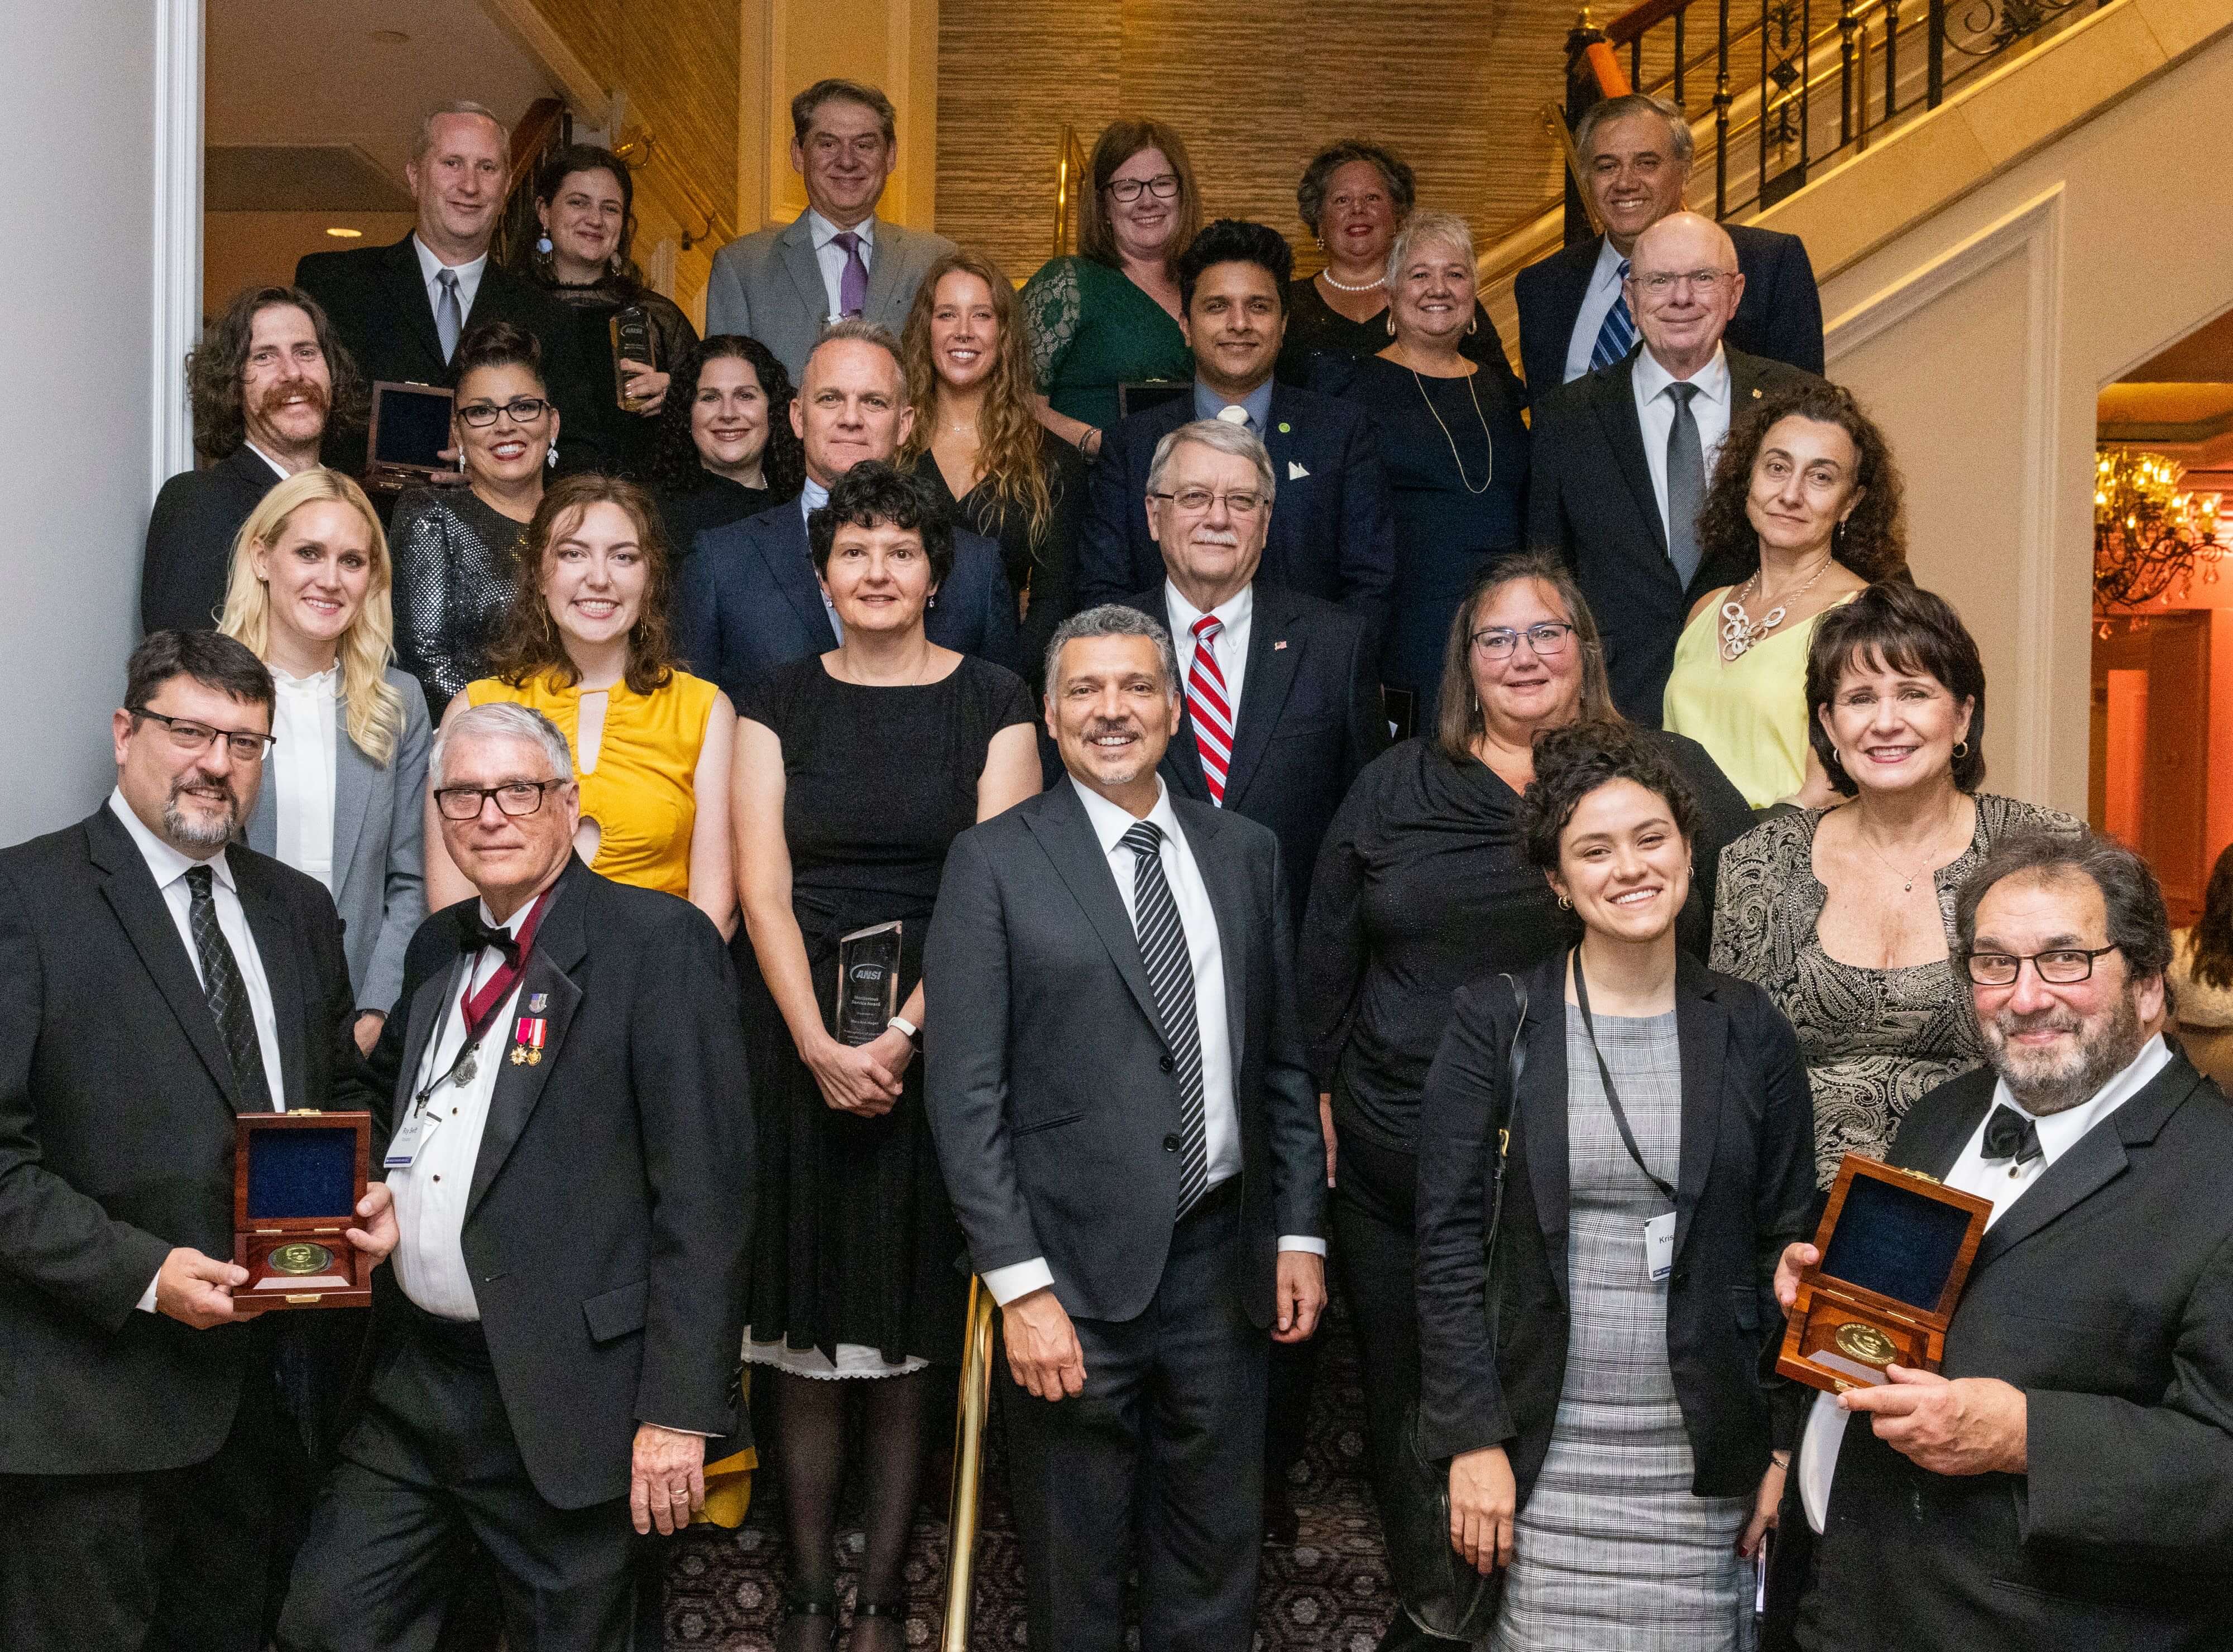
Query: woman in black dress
{"points": [[854, 771], [726, 450]]}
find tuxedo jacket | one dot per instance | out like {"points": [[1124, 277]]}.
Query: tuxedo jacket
{"points": [[1309, 721], [611, 1208], [1333, 527], [768, 285], [1590, 498], [1051, 1090], [1780, 315], [2105, 1293], [750, 601], [190, 534], [116, 1142]]}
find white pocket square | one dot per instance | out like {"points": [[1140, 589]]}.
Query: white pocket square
{"points": [[1295, 471]]}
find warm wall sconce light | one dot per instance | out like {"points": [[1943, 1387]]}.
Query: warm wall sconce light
{"points": [[343, 234]]}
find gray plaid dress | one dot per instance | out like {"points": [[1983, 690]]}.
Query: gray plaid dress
{"points": [[1612, 1553]]}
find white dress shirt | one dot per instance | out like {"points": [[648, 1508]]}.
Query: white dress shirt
{"points": [[277, 470], [2004, 1183], [469, 280], [1220, 1118], [1655, 411], [812, 496], [302, 770], [831, 257], [1230, 646], [1597, 300]]}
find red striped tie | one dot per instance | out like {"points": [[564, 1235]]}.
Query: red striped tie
{"points": [[1210, 706]]}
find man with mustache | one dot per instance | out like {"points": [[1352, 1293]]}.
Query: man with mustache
{"points": [[157, 978], [2060, 1484]]}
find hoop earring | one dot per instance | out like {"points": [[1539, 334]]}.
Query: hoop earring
{"points": [[1473, 326], [1566, 904], [1391, 321], [1961, 750]]}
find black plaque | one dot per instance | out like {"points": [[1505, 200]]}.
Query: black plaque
{"points": [[868, 983]]}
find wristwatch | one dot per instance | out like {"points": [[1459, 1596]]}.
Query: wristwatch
{"points": [[914, 1033]]}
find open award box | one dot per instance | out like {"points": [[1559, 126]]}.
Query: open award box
{"points": [[296, 1179], [1896, 1247]]}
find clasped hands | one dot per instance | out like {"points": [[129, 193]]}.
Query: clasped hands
{"points": [[863, 1079], [196, 1290]]}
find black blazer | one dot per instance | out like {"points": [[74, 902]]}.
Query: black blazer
{"points": [[116, 1142], [190, 537], [1309, 721], [1590, 498], [611, 1210], [2105, 1293], [1333, 526], [1049, 1085], [1493, 1353], [1780, 315]]}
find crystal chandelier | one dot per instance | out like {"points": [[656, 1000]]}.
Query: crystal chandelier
{"points": [[2150, 538]]}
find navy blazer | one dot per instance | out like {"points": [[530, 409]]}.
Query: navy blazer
{"points": [[750, 601], [189, 535], [1333, 527], [1778, 317]]}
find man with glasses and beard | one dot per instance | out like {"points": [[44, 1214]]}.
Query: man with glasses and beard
{"points": [[2061, 1484], [157, 978]]}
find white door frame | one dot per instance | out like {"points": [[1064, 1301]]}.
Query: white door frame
{"points": [[176, 324]]}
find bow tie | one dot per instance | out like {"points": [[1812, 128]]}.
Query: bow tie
{"points": [[478, 935], [2009, 1134]]}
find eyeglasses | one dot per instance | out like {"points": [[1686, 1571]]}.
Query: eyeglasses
{"points": [[1164, 186], [521, 410], [189, 736], [1661, 282], [2060, 967], [515, 797], [1193, 501], [1549, 639]]}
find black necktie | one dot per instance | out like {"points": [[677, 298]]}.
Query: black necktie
{"points": [[228, 998], [478, 935], [1171, 977], [1686, 485], [2009, 1134]]}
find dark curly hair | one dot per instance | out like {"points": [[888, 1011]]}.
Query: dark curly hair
{"points": [[1572, 762], [497, 344], [1310, 193], [2213, 931], [528, 643], [876, 495], [2137, 923], [1873, 541], [214, 371], [675, 467], [1907, 630], [1235, 240]]}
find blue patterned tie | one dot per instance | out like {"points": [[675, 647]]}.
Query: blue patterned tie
{"points": [[1171, 977], [1617, 336]]}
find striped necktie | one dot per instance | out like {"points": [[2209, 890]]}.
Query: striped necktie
{"points": [[1617, 336], [1170, 978], [1210, 706]]}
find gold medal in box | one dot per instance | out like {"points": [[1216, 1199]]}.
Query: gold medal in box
{"points": [[297, 1178]]}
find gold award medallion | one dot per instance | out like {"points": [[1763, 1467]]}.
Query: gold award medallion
{"points": [[301, 1256], [1866, 1343]]}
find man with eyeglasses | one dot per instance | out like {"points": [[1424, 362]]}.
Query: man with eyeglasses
{"points": [[157, 978], [2061, 1484]]}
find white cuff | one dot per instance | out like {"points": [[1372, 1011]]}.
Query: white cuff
{"points": [[1019, 1280], [147, 1303], [1302, 1242]]}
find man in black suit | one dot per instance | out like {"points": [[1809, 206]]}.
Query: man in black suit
{"points": [[2059, 1485], [1336, 540], [400, 309], [1119, 1096], [567, 1128], [1574, 312], [1620, 459], [156, 979]]}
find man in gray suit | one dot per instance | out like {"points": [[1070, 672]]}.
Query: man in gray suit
{"points": [[838, 258], [1117, 1087]]}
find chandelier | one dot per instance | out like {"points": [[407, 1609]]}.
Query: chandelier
{"points": [[2149, 539]]}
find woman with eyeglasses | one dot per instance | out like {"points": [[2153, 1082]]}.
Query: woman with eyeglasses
{"points": [[456, 548]]}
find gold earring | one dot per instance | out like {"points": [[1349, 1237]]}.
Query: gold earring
{"points": [[1961, 748], [1566, 904]]}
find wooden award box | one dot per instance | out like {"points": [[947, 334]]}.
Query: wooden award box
{"points": [[296, 1179], [1896, 1247]]}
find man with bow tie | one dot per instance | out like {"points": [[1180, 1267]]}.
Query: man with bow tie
{"points": [[2062, 1482]]}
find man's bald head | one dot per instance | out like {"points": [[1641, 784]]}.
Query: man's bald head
{"points": [[1684, 241], [1684, 285]]}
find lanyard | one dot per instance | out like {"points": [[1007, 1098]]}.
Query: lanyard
{"points": [[479, 1008], [1604, 1077]]}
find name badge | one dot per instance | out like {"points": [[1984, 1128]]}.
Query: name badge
{"points": [[1659, 1246], [403, 1146]]}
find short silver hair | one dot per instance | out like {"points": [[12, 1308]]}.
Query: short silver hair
{"points": [[1619, 108], [499, 719], [1424, 230], [423, 139], [1236, 440], [858, 330], [1113, 620]]}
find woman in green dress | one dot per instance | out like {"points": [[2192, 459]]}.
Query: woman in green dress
{"points": [[1110, 313]]}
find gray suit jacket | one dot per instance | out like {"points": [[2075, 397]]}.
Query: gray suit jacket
{"points": [[768, 285], [379, 842]]}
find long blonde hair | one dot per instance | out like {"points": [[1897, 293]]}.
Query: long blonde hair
{"points": [[1007, 430], [374, 709]]}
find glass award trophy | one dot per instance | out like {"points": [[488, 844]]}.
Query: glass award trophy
{"points": [[868, 983]]}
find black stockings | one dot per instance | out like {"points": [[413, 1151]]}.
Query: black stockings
{"points": [[810, 1427]]}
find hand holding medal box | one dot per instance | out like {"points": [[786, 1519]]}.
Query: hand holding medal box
{"points": [[297, 1178]]}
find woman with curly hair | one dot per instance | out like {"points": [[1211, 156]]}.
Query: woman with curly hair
{"points": [[726, 450], [1806, 492], [2201, 977]]}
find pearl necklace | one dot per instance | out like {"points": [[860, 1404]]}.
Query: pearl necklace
{"points": [[1328, 275], [1741, 631]]}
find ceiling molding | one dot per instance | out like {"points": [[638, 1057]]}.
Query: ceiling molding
{"points": [[519, 19]]}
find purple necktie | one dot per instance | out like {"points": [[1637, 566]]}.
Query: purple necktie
{"points": [[853, 285]]}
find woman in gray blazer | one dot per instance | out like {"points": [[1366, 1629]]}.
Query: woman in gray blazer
{"points": [[343, 789]]}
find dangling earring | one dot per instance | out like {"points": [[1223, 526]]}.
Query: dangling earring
{"points": [[1961, 750], [1391, 321], [1473, 326], [542, 244], [616, 263], [550, 458], [1837, 533], [1318, 241]]}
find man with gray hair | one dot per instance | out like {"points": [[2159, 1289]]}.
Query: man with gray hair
{"points": [[565, 1121]]}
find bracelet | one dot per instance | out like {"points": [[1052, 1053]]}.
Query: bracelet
{"points": [[913, 1032], [1780, 1459]]}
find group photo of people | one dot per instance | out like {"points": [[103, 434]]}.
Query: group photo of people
{"points": [[1243, 819]]}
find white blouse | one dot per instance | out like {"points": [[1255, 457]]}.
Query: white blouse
{"points": [[302, 763]]}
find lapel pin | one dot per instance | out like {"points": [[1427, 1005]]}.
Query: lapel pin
{"points": [[1286, 429], [1755, 393], [1280, 644], [537, 1003], [527, 1041]]}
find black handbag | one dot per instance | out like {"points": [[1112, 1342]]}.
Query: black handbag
{"points": [[1439, 1592]]}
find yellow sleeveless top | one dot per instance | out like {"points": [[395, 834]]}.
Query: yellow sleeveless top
{"points": [[642, 791], [1749, 713]]}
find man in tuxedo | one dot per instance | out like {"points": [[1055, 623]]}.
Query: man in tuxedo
{"points": [[1118, 1092], [838, 258], [1575, 313], [562, 1103], [2059, 1483], [750, 600], [1336, 538], [1620, 459], [157, 978], [400, 309]]}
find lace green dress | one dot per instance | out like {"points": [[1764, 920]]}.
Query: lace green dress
{"points": [[1092, 329]]}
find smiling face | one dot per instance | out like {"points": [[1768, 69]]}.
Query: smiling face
{"points": [[593, 574], [878, 578], [1623, 863], [317, 568], [1209, 553], [845, 159], [286, 385], [1524, 693], [852, 406], [1633, 175], [1143, 225], [1431, 296], [729, 416], [1893, 730], [1804, 484], [1113, 712], [1358, 219], [194, 801], [965, 330], [458, 184], [506, 856], [1683, 319], [510, 451], [1235, 325], [584, 217]]}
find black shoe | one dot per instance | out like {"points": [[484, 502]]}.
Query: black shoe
{"points": [[877, 1621], [1282, 1525]]}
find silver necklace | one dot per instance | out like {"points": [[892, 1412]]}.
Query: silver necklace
{"points": [[1452, 441], [1906, 879], [1328, 275], [1740, 631]]}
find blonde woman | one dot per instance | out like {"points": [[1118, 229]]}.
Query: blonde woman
{"points": [[343, 798]]}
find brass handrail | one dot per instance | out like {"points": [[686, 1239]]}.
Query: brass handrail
{"points": [[1554, 122], [963, 1502], [640, 148], [1069, 173]]}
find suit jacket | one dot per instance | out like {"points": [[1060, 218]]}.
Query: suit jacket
{"points": [[1050, 1088], [611, 1209], [2105, 1293], [768, 285], [376, 297], [116, 1142], [1309, 721], [1493, 1351], [1780, 315], [380, 824], [1591, 500], [750, 601], [190, 535], [1333, 527]]}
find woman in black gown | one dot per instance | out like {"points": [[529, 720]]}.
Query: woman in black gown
{"points": [[726, 450], [854, 771]]}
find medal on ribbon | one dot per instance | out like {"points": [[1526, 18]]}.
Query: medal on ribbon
{"points": [[527, 1040]]}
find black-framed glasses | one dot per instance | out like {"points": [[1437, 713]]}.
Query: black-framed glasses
{"points": [[1193, 501], [514, 798], [521, 410], [2057, 966], [1549, 639], [1164, 186], [190, 736]]}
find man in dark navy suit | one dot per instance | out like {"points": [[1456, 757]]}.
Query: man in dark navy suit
{"points": [[1336, 536]]}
